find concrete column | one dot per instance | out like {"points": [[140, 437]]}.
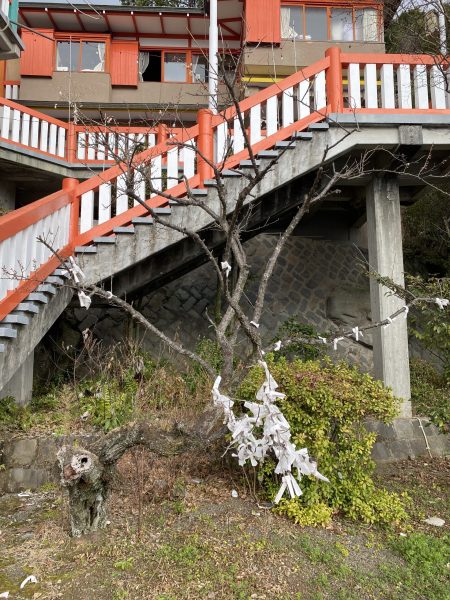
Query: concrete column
{"points": [[7, 196], [20, 386], [390, 344]]}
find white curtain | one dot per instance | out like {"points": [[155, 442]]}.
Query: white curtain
{"points": [[341, 25], [288, 31], [101, 56], [144, 59]]}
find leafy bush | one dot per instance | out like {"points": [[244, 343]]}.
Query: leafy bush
{"points": [[430, 393], [325, 406], [299, 333]]}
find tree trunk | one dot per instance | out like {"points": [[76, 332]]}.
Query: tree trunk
{"points": [[87, 474]]}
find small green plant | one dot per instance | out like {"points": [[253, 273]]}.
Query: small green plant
{"points": [[125, 564], [299, 333], [430, 393], [325, 406]]}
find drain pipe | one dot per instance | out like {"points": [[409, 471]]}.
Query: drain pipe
{"points": [[213, 75]]}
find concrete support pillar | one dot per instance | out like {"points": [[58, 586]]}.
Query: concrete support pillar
{"points": [[7, 196], [390, 344], [20, 386]]}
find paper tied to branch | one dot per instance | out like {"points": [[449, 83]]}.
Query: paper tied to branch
{"points": [[254, 324], [225, 266], [442, 302], [357, 333], [29, 579], [277, 346], [336, 342], [74, 270], [388, 322], [85, 300], [405, 311], [263, 430]]}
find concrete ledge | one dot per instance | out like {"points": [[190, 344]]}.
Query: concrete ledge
{"points": [[382, 119], [407, 438]]}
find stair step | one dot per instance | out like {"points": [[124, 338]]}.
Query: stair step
{"points": [[61, 273], [245, 164], [268, 154], [285, 144], [55, 280], [27, 307], [211, 183], [128, 230], [105, 240], [13, 319], [8, 332], [37, 297], [142, 221], [230, 173], [303, 135], [318, 126], [47, 289], [162, 210], [199, 192], [85, 250]]}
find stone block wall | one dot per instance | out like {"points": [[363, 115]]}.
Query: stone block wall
{"points": [[319, 282]]}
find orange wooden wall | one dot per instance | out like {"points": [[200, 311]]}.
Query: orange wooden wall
{"points": [[262, 21], [124, 62], [39, 55]]}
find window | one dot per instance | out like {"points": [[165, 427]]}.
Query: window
{"points": [[199, 68], [341, 24], [80, 55], [150, 65], [175, 66]]}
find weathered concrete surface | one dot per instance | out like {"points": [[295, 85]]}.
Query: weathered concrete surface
{"points": [[7, 196], [390, 344], [407, 438], [20, 386]]}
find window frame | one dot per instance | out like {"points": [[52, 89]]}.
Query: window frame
{"points": [[189, 54], [83, 38], [329, 7]]}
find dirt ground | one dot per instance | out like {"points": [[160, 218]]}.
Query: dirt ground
{"points": [[190, 538]]}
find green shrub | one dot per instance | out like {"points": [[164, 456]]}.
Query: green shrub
{"points": [[299, 333], [430, 393], [9, 411], [326, 405]]}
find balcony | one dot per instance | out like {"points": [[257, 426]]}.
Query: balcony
{"points": [[10, 43]]}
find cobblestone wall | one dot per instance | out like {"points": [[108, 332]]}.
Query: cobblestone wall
{"points": [[319, 282]]}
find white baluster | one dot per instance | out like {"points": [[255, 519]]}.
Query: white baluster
{"points": [[139, 187], [87, 211], [112, 142], [34, 132], [189, 160], [121, 194], [61, 142], [151, 140], [155, 174], [370, 86], [404, 86], [43, 144], [354, 86], [121, 145], [172, 167], [287, 106], [221, 142], [255, 124], [8, 92], [271, 115], [303, 99], [15, 92], [420, 87], [81, 145], [387, 86], [104, 202], [6, 119], [238, 136], [101, 150], [15, 135], [25, 129], [52, 138], [320, 96], [91, 146], [438, 87]]}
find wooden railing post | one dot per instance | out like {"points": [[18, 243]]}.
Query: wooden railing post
{"points": [[205, 144], [162, 134], [71, 143], [69, 185], [334, 80]]}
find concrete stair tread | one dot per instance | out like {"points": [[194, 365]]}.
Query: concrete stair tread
{"points": [[230, 173], [61, 273], [268, 154], [285, 144], [319, 126], [162, 210], [105, 239], [37, 297], [199, 191], [127, 230], [28, 307], [8, 332], [54, 279], [15, 319], [85, 250], [303, 135], [211, 183], [142, 221], [46, 288], [245, 164]]}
